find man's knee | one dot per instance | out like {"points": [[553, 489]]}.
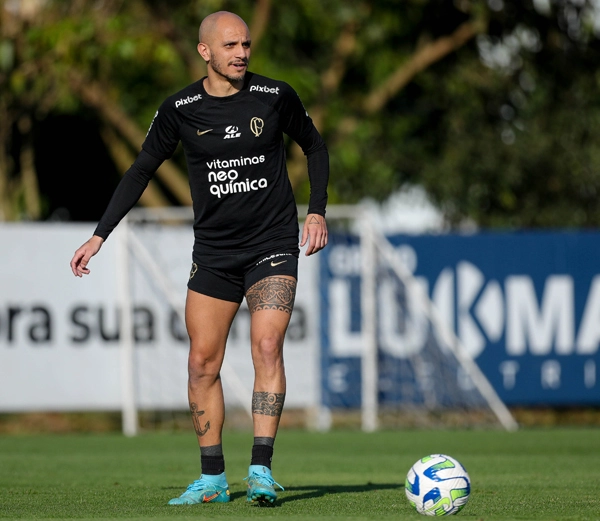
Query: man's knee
{"points": [[202, 366], [269, 348]]}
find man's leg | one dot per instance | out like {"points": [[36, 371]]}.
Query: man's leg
{"points": [[270, 301], [208, 321]]}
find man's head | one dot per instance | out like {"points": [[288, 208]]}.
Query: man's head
{"points": [[225, 45]]}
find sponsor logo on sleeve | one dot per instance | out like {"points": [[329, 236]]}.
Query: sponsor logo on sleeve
{"points": [[187, 100], [262, 88]]}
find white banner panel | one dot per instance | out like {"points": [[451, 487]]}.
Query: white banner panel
{"points": [[59, 335]]}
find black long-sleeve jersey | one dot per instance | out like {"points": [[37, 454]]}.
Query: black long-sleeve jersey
{"points": [[235, 152]]}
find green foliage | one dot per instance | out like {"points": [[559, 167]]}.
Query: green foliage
{"points": [[499, 131], [516, 146]]}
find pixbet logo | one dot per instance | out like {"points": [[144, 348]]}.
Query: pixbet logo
{"points": [[261, 88], [186, 101]]}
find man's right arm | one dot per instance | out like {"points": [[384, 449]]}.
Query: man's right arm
{"points": [[128, 192]]}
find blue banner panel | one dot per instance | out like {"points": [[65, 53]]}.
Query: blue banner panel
{"points": [[341, 342], [525, 305]]}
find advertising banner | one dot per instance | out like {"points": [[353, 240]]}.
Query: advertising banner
{"points": [[526, 306], [60, 335]]}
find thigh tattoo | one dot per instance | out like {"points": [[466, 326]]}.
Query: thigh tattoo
{"points": [[272, 293], [269, 404]]}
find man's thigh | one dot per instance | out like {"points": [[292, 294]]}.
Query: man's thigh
{"points": [[273, 293], [208, 321]]}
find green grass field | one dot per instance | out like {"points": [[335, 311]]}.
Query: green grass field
{"points": [[549, 474]]}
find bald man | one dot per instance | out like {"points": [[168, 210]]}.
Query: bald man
{"points": [[231, 125]]}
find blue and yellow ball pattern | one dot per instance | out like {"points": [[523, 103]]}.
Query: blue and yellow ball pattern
{"points": [[438, 485]]}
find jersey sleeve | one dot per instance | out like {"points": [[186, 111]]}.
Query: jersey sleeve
{"points": [[297, 124], [161, 142], [128, 192], [163, 135]]}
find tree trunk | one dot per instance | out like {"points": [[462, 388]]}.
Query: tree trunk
{"points": [[92, 94], [123, 158], [29, 179]]}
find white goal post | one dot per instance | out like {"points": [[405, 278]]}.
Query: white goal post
{"points": [[375, 240], [376, 250]]}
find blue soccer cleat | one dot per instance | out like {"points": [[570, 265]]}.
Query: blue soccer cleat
{"points": [[260, 486], [207, 489]]}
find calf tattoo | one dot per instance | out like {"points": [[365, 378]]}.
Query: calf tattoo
{"points": [[272, 293], [269, 404], [196, 419]]}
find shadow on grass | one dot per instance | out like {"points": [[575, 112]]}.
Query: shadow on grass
{"points": [[315, 491]]}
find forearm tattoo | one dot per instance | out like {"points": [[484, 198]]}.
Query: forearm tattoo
{"points": [[272, 293], [196, 419], [269, 404]]}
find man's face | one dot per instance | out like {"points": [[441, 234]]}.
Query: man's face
{"points": [[230, 51]]}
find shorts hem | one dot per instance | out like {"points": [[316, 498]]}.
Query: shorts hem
{"points": [[217, 295]]}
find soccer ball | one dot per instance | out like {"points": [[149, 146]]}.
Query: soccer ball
{"points": [[437, 485]]}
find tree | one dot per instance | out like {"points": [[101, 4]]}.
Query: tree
{"points": [[515, 146], [67, 56], [404, 92]]}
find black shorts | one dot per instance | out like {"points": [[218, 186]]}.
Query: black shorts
{"points": [[228, 277]]}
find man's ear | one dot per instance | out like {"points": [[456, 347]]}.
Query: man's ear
{"points": [[204, 52]]}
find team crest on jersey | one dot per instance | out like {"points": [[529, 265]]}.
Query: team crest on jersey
{"points": [[256, 126], [231, 132]]}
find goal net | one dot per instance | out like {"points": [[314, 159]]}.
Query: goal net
{"points": [[386, 351]]}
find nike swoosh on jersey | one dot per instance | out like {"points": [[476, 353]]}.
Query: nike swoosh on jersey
{"points": [[277, 263], [202, 132]]}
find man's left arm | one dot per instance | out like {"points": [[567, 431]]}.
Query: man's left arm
{"points": [[315, 226], [300, 127]]}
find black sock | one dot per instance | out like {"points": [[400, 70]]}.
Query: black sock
{"points": [[212, 460], [212, 465], [262, 451]]}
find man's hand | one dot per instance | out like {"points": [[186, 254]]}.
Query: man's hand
{"points": [[315, 232], [83, 255]]}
